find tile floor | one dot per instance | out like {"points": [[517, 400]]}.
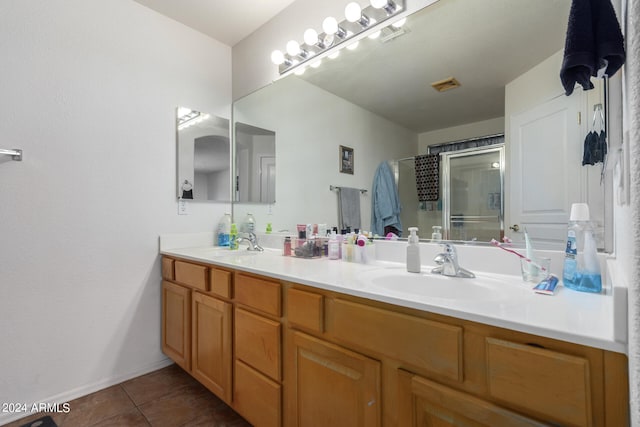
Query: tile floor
{"points": [[168, 397]]}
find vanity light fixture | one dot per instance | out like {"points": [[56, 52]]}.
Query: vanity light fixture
{"points": [[187, 117], [359, 22]]}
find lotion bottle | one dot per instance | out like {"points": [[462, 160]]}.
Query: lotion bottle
{"points": [[413, 251]]}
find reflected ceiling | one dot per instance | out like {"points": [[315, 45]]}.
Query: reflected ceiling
{"points": [[483, 44]]}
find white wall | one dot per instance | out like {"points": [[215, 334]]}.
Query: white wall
{"points": [[310, 125], [89, 91]]}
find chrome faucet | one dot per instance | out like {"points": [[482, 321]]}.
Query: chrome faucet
{"points": [[448, 263], [252, 240]]}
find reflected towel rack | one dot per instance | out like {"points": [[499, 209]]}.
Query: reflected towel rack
{"points": [[334, 187], [15, 154]]}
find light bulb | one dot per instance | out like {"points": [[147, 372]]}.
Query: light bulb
{"points": [[375, 35], [293, 48], [399, 23], [328, 40], [277, 57], [316, 64], [353, 12], [330, 25], [300, 71], [311, 37], [378, 4]]}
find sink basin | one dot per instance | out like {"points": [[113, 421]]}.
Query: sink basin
{"points": [[397, 282]]}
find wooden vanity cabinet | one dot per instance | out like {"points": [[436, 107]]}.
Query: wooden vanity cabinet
{"points": [[285, 354], [257, 392], [197, 323], [176, 323], [211, 344]]}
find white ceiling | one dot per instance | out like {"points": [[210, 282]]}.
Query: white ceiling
{"points": [[227, 21]]}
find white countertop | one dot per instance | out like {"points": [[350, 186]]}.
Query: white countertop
{"points": [[577, 317]]}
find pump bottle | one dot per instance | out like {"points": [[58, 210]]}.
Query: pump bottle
{"points": [[581, 270], [413, 251]]}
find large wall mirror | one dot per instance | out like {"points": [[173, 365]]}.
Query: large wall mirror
{"points": [[378, 100], [204, 156]]}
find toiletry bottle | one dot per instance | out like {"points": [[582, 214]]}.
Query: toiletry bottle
{"points": [[437, 233], [249, 224], [286, 250], [233, 237], [224, 228], [334, 246], [269, 229], [581, 270], [413, 251]]}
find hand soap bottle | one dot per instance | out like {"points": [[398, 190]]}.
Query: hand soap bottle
{"points": [[581, 270], [413, 251]]}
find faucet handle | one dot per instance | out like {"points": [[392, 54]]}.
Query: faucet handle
{"points": [[449, 248]]}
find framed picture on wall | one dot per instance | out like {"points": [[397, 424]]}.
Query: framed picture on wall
{"points": [[346, 160]]}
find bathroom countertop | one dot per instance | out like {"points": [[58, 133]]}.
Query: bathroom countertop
{"points": [[577, 317]]}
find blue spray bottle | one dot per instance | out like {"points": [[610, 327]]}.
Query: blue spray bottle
{"points": [[581, 270]]}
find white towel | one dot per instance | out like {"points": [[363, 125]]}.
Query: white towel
{"points": [[348, 208]]}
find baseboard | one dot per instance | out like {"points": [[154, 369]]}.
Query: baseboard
{"points": [[84, 390]]}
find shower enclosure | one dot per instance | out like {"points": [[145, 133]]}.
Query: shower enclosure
{"points": [[471, 204]]}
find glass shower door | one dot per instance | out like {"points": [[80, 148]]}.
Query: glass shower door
{"points": [[473, 187]]}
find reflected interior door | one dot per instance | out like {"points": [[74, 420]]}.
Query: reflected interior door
{"points": [[473, 194], [267, 179], [545, 170]]}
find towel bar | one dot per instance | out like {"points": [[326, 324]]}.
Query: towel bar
{"points": [[334, 187], [16, 154]]}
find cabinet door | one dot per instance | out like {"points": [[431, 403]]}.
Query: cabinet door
{"points": [[211, 337], [176, 321], [332, 386], [426, 403]]}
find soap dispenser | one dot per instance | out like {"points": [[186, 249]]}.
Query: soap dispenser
{"points": [[413, 251]]}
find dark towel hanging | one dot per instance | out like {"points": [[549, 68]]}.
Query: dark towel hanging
{"points": [[428, 177], [594, 40]]}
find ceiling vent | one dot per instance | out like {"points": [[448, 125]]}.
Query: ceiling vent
{"points": [[446, 84]]}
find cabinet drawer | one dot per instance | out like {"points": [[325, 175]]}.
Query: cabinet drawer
{"points": [[305, 309], [220, 282], [256, 397], [192, 275], [258, 293], [553, 385], [167, 269], [421, 343], [258, 342]]}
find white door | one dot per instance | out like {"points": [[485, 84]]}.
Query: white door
{"points": [[546, 175]]}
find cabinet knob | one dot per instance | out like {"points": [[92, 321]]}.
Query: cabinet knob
{"points": [[515, 227]]}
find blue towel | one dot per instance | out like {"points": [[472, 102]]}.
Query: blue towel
{"points": [[385, 204]]}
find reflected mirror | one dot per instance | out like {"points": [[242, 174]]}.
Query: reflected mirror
{"points": [[497, 62], [255, 177], [204, 154]]}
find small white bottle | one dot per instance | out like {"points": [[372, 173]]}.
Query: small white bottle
{"points": [[413, 251], [437, 233], [249, 224], [334, 246]]}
